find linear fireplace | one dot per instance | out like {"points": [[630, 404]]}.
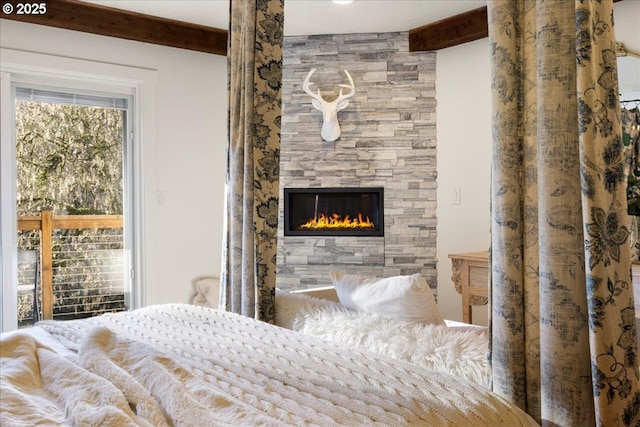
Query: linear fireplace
{"points": [[334, 211]]}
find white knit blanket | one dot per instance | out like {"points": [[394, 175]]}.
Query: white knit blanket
{"points": [[194, 366]]}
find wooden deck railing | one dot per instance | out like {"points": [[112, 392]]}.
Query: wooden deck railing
{"points": [[46, 222]]}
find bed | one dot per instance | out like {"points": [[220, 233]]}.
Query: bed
{"points": [[189, 365]]}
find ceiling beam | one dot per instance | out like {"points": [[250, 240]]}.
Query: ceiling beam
{"points": [[106, 21], [452, 31], [448, 32]]}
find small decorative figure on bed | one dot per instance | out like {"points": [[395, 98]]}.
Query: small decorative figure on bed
{"points": [[330, 127]]}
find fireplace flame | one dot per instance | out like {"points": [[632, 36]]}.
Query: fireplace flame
{"points": [[323, 222]]}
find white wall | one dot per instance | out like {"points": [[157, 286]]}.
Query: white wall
{"points": [[186, 226], [463, 88], [626, 17]]}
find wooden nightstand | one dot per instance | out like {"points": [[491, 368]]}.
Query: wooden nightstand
{"points": [[470, 275]]}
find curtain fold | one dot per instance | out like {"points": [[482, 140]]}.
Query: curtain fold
{"points": [[254, 62], [563, 339]]}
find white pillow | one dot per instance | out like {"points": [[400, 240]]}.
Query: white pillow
{"points": [[407, 298]]}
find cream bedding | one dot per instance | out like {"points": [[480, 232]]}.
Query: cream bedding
{"points": [[195, 366]]}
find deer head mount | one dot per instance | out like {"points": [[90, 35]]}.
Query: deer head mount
{"points": [[330, 126]]}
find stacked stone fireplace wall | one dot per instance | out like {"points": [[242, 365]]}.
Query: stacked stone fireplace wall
{"points": [[388, 140]]}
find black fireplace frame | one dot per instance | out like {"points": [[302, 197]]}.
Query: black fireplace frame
{"points": [[377, 191]]}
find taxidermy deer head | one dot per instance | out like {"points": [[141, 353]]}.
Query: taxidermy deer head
{"points": [[330, 126]]}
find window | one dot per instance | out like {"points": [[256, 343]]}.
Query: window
{"points": [[127, 91], [72, 178]]}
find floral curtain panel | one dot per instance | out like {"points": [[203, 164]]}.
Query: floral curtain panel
{"points": [[563, 343], [253, 157]]}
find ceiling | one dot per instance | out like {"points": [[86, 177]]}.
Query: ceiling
{"points": [[308, 17]]}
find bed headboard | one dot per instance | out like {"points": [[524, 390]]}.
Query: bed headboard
{"points": [[325, 292]]}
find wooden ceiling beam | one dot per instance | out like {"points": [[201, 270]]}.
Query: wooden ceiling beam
{"points": [[106, 21], [448, 32], [452, 31]]}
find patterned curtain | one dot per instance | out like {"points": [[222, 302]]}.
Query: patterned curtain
{"points": [[563, 335], [253, 157]]}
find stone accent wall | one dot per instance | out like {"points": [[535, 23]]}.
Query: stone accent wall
{"points": [[388, 140]]}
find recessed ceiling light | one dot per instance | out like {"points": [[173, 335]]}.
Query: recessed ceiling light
{"points": [[342, 1]]}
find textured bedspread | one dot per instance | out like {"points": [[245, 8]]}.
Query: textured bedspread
{"points": [[194, 366]]}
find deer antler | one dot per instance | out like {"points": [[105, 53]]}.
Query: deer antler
{"points": [[308, 83], [351, 86]]}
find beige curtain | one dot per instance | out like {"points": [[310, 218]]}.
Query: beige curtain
{"points": [[563, 343], [255, 75]]}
